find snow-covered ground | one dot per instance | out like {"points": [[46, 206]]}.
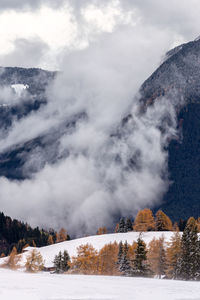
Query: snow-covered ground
{"points": [[97, 241], [19, 285], [44, 286]]}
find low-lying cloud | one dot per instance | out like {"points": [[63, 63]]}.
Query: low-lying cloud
{"points": [[101, 169]]}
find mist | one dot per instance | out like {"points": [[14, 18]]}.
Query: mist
{"points": [[102, 169]]}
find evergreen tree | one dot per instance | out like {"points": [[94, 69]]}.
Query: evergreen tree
{"points": [[120, 253], [162, 266], [58, 263], [188, 264], [121, 225], [124, 267], [128, 225], [140, 266], [65, 262]]}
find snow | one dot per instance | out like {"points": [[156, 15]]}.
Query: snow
{"points": [[44, 286], [98, 241], [19, 88], [197, 39], [20, 285]]}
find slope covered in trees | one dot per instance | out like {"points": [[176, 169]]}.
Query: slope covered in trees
{"points": [[171, 255], [18, 234], [177, 259]]}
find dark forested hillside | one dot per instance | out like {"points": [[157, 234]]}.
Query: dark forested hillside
{"points": [[18, 234]]}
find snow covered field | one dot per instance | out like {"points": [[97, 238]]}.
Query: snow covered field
{"points": [[19, 285], [45, 286], [97, 241]]}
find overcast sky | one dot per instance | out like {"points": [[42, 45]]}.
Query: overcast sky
{"points": [[35, 33]]}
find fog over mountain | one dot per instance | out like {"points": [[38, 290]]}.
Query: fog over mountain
{"points": [[81, 147], [79, 175]]}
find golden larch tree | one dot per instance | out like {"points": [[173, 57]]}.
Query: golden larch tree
{"points": [[157, 256], [34, 262], [198, 224], [163, 222], [117, 228], [86, 261], [50, 240], [101, 230], [173, 253], [61, 236], [144, 221], [107, 260], [131, 251], [12, 260], [25, 246]]}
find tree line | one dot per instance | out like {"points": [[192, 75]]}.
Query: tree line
{"points": [[14, 233], [177, 259], [145, 221]]}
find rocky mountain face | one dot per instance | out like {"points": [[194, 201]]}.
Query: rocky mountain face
{"points": [[177, 76], [178, 80]]}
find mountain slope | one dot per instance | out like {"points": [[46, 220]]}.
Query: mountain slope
{"points": [[177, 80], [15, 105]]}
